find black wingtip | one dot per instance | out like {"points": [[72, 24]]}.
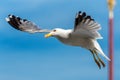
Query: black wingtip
{"points": [[9, 15], [83, 14], [88, 17], [13, 21], [18, 18], [25, 20], [79, 17], [79, 12]]}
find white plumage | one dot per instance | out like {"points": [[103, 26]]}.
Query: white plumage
{"points": [[84, 34]]}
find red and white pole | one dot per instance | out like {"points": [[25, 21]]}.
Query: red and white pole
{"points": [[111, 4]]}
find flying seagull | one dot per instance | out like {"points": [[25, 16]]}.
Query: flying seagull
{"points": [[84, 34]]}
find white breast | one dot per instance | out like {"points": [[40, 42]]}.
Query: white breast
{"points": [[82, 42]]}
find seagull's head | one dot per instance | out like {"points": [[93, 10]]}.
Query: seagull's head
{"points": [[57, 32]]}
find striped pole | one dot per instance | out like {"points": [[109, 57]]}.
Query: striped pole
{"points": [[111, 4]]}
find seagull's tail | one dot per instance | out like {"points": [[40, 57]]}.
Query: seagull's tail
{"points": [[99, 50], [95, 51]]}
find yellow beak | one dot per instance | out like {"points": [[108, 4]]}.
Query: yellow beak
{"points": [[48, 35]]}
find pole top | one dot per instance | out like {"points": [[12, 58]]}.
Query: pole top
{"points": [[111, 4]]}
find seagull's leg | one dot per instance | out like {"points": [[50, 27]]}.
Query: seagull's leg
{"points": [[96, 61], [99, 59]]}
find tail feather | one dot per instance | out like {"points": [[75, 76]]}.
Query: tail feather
{"points": [[102, 53], [99, 50]]}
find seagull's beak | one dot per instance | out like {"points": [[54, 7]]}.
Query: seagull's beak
{"points": [[48, 35]]}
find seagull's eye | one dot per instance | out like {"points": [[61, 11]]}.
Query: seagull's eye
{"points": [[54, 30]]}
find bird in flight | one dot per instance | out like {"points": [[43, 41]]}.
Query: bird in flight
{"points": [[84, 34]]}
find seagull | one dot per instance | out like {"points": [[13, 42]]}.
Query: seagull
{"points": [[84, 34]]}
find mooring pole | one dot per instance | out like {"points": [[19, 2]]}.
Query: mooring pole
{"points": [[111, 4]]}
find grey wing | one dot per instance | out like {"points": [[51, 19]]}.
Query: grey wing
{"points": [[24, 25], [85, 26]]}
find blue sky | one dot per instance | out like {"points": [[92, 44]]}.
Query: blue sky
{"points": [[25, 56]]}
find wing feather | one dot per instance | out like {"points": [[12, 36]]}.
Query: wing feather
{"points": [[85, 26], [24, 25]]}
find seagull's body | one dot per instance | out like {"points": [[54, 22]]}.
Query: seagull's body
{"points": [[84, 34], [68, 38]]}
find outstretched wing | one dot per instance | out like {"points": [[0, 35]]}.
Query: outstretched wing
{"points": [[24, 25], [85, 26]]}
